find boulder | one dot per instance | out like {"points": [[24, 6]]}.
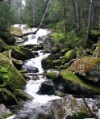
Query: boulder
{"points": [[21, 53], [7, 98], [7, 37], [75, 85], [69, 55], [47, 63], [30, 69], [87, 67], [9, 76], [4, 112], [47, 87], [4, 46], [21, 94]]}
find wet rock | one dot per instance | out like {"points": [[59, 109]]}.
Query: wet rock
{"points": [[30, 69], [21, 53], [22, 95], [44, 115], [9, 75], [4, 112], [7, 97], [59, 93], [17, 63], [47, 87]]}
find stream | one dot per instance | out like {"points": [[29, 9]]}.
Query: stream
{"points": [[51, 107]]}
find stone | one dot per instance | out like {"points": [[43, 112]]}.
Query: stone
{"points": [[46, 87]]}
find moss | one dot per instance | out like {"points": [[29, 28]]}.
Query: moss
{"points": [[21, 94], [4, 46], [21, 53], [52, 75], [55, 49], [16, 30], [7, 97], [68, 75], [9, 74], [57, 62], [7, 37], [79, 115], [83, 65], [47, 63], [68, 54], [97, 51]]}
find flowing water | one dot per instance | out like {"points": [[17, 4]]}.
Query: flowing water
{"points": [[33, 86]]}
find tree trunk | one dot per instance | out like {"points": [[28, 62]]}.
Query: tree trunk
{"points": [[77, 14], [89, 17], [64, 15]]}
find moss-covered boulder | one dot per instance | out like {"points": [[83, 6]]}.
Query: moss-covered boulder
{"points": [[69, 55], [88, 67], [9, 76], [76, 85], [47, 63], [7, 98], [21, 53], [55, 49], [7, 37], [4, 46], [21, 94], [52, 75]]}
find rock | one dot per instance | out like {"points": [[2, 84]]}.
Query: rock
{"points": [[87, 67], [17, 63], [30, 69], [59, 93], [79, 86], [9, 76], [54, 75], [7, 97], [47, 87], [47, 63], [69, 55], [4, 112], [55, 50], [21, 53], [4, 46], [44, 115], [21, 94], [7, 37]]}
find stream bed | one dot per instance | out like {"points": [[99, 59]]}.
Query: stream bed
{"points": [[45, 106]]}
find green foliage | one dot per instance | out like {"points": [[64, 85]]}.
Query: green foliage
{"points": [[5, 15], [57, 38]]}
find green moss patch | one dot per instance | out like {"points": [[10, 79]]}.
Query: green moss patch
{"points": [[68, 75], [10, 77]]}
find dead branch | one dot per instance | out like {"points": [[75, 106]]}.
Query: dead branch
{"points": [[41, 23], [33, 74]]}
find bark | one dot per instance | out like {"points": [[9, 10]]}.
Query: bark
{"points": [[41, 22], [64, 15], [77, 14], [89, 17]]}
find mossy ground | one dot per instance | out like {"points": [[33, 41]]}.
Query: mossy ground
{"points": [[68, 75]]}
